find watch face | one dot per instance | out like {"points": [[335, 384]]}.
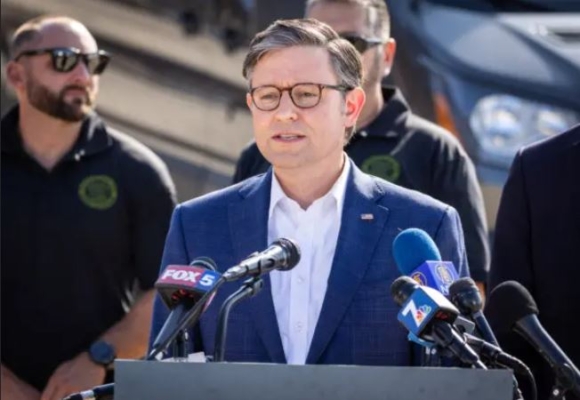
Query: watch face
{"points": [[102, 353]]}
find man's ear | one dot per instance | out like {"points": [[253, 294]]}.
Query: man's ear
{"points": [[249, 101], [355, 100], [389, 50], [15, 75]]}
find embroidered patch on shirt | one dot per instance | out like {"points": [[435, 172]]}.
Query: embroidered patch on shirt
{"points": [[98, 191]]}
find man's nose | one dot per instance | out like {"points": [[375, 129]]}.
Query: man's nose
{"points": [[286, 110], [81, 72]]}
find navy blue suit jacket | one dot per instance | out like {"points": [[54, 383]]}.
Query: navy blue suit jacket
{"points": [[358, 321]]}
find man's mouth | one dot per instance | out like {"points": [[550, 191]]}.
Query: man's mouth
{"points": [[288, 137], [77, 91]]}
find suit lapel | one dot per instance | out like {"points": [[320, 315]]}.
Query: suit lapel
{"points": [[358, 231], [249, 226]]}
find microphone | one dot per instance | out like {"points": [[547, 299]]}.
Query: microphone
{"points": [[511, 307], [466, 297], [283, 254], [417, 256], [429, 316], [102, 392], [181, 287]]}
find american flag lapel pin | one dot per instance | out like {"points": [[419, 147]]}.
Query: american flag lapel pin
{"points": [[367, 217]]}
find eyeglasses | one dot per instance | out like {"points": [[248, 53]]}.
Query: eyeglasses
{"points": [[65, 59], [360, 43], [303, 95]]}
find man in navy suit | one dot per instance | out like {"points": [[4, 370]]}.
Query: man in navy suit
{"points": [[537, 241], [335, 306]]}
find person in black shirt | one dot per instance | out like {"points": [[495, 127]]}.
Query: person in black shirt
{"points": [[391, 142], [85, 210]]}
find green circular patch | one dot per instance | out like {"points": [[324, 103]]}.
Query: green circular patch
{"points": [[383, 166], [98, 191]]}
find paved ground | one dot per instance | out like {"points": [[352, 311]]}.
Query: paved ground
{"points": [[182, 96]]}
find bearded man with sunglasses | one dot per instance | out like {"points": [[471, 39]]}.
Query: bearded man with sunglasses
{"points": [[334, 306], [391, 142], [85, 210]]}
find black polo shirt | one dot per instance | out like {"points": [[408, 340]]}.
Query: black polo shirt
{"points": [[410, 151], [75, 242]]}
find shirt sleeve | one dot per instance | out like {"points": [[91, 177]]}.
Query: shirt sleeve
{"points": [[455, 183], [152, 201]]}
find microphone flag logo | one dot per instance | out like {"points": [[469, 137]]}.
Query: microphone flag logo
{"points": [[420, 278], [421, 313]]}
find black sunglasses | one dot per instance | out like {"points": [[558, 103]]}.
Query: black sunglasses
{"points": [[65, 59], [360, 43]]}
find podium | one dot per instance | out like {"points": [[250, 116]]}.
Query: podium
{"points": [[150, 380]]}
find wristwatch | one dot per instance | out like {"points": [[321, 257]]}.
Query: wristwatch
{"points": [[102, 353]]}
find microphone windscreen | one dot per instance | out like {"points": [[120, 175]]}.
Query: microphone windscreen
{"points": [[402, 288], [462, 285], [293, 251], [413, 247], [464, 293], [509, 302]]}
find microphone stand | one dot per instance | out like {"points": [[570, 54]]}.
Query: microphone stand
{"points": [[190, 317], [249, 288], [180, 345]]}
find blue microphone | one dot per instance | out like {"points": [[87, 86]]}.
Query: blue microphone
{"points": [[417, 256]]}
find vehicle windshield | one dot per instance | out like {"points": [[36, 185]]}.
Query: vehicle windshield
{"points": [[513, 5]]}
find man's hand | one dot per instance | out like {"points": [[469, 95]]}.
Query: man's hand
{"points": [[13, 388], [73, 376]]}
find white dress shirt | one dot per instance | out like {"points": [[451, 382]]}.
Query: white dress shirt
{"points": [[298, 294]]}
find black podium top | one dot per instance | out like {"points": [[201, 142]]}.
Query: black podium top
{"points": [[149, 380]]}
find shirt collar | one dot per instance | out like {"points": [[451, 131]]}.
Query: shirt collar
{"points": [[93, 137], [337, 191], [391, 121]]}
